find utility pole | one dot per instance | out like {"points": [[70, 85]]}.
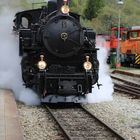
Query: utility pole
{"points": [[118, 63]]}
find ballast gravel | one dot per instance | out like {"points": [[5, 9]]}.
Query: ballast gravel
{"points": [[122, 114], [37, 124]]}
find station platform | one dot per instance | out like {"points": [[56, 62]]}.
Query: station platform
{"points": [[9, 119]]}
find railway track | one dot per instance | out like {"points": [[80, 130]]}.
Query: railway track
{"points": [[126, 86], [79, 124]]}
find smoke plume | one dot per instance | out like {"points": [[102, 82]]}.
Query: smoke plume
{"points": [[10, 71], [106, 90]]}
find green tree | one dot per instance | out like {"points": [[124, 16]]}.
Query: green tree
{"points": [[93, 8], [78, 6]]}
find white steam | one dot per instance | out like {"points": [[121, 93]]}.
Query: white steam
{"points": [[10, 71], [106, 90]]}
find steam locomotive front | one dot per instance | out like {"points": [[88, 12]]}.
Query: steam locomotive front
{"points": [[59, 55]]}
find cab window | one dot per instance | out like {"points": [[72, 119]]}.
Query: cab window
{"points": [[133, 34], [24, 22]]}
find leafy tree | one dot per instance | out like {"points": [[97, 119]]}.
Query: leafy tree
{"points": [[78, 6], [93, 8]]}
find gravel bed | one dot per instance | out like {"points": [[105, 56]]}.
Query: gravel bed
{"points": [[81, 126], [123, 114], [37, 124]]}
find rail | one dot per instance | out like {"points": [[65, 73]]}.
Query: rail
{"points": [[77, 123], [126, 86]]}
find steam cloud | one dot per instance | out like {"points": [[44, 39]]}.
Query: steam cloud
{"points": [[106, 90], [10, 71]]}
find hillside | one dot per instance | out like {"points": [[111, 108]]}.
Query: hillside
{"points": [[108, 16], [130, 14]]}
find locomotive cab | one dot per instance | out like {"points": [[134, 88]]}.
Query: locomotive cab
{"points": [[130, 48]]}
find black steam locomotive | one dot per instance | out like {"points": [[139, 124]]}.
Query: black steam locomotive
{"points": [[59, 57]]}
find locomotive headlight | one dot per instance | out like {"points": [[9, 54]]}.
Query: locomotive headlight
{"points": [[87, 65], [65, 9], [42, 64]]}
